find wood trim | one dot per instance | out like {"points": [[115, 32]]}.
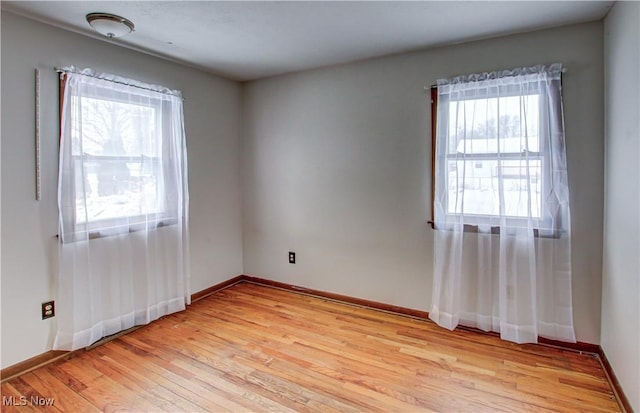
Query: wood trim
{"points": [[577, 346], [62, 84], [220, 286], [623, 401], [339, 297], [32, 364], [434, 117]]}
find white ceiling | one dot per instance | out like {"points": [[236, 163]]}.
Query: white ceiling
{"points": [[245, 40]]}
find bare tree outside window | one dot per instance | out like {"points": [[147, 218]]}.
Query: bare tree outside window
{"points": [[117, 159]]}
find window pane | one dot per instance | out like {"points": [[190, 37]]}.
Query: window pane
{"points": [[117, 150], [115, 129], [116, 189], [474, 187], [492, 125], [522, 182]]}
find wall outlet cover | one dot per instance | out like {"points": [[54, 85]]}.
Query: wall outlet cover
{"points": [[48, 309]]}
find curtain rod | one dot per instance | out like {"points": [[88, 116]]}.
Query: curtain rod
{"points": [[60, 70], [563, 71]]}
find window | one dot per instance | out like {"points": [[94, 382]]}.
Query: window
{"points": [[500, 171], [120, 174], [123, 204], [492, 153]]}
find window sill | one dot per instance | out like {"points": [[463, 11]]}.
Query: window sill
{"points": [[113, 231], [473, 229]]}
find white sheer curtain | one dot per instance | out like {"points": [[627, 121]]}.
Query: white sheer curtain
{"points": [[123, 207], [502, 255]]}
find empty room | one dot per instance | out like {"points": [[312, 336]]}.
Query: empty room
{"points": [[323, 206]]}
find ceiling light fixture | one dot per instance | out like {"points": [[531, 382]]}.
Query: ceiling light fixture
{"points": [[110, 25]]}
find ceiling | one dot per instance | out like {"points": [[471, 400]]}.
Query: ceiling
{"points": [[246, 40]]}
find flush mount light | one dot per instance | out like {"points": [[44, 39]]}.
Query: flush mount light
{"points": [[110, 25]]}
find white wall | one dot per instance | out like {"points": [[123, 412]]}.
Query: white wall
{"points": [[620, 337], [336, 166], [211, 109]]}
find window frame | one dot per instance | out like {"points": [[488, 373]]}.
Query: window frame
{"points": [[101, 228], [543, 154]]}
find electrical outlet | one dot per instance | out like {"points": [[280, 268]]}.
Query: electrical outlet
{"points": [[48, 309], [292, 257]]}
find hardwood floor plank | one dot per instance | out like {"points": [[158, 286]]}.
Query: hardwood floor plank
{"points": [[181, 383], [13, 400], [323, 396], [34, 396], [260, 349], [66, 399], [228, 381]]}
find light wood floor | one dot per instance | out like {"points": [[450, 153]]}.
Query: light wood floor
{"points": [[255, 348]]}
